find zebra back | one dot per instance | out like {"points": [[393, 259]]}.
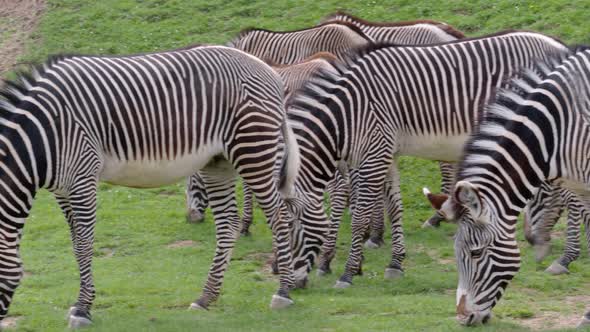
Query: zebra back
{"points": [[290, 47], [401, 32]]}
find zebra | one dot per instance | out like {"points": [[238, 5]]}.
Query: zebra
{"points": [[408, 32], [294, 77], [417, 32], [421, 101], [542, 213], [143, 121], [541, 133], [290, 47]]}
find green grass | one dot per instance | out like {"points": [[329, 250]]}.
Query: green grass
{"points": [[144, 285]]}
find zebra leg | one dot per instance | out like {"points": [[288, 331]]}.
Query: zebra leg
{"points": [[394, 212], [11, 272], [339, 190], [586, 219], [248, 211], [220, 180], [65, 207], [79, 208], [266, 192], [572, 244], [585, 322], [196, 199], [377, 227], [370, 190], [447, 172]]}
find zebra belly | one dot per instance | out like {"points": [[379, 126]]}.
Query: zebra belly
{"points": [[441, 148], [154, 173]]}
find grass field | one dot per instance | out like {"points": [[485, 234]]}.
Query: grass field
{"points": [[150, 264]]}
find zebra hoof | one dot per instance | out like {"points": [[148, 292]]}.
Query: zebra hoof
{"points": [[393, 273], [585, 321], [542, 251], [76, 322], [557, 269], [371, 245], [196, 306], [70, 312], [322, 273], [342, 284], [280, 302]]}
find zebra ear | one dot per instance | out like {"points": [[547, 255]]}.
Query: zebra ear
{"points": [[441, 203], [467, 195], [436, 200]]}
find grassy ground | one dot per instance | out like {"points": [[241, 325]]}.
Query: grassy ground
{"points": [[146, 278]]}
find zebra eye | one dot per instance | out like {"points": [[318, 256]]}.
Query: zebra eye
{"points": [[476, 253]]}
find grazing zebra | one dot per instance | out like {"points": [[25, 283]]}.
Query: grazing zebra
{"points": [[541, 133], [411, 33], [294, 77], [290, 47], [542, 213], [142, 121], [389, 101]]}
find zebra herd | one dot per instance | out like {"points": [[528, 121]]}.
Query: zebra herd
{"points": [[296, 114]]}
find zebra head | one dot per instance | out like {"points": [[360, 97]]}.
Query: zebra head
{"points": [[196, 199], [540, 215], [487, 259], [307, 235]]}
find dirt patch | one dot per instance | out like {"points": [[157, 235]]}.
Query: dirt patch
{"points": [[266, 258], [9, 322], [553, 320], [167, 192], [435, 255], [18, 19], [106, 252], [182, 244]]}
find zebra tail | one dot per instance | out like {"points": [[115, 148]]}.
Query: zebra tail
{"points": [[290, 163]]}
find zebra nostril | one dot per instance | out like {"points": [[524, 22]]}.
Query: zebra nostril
{"points": [[470, 319], [194, 216], [486, 319]]}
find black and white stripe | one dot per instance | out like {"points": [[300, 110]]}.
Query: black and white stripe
{"points": [[142, 121]]}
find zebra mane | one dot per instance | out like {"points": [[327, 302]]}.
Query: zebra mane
{"points": [[441, 25], [13, 91], [244, 32], [522, 84], [506, 103], [579, 48], [503, 105]]}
